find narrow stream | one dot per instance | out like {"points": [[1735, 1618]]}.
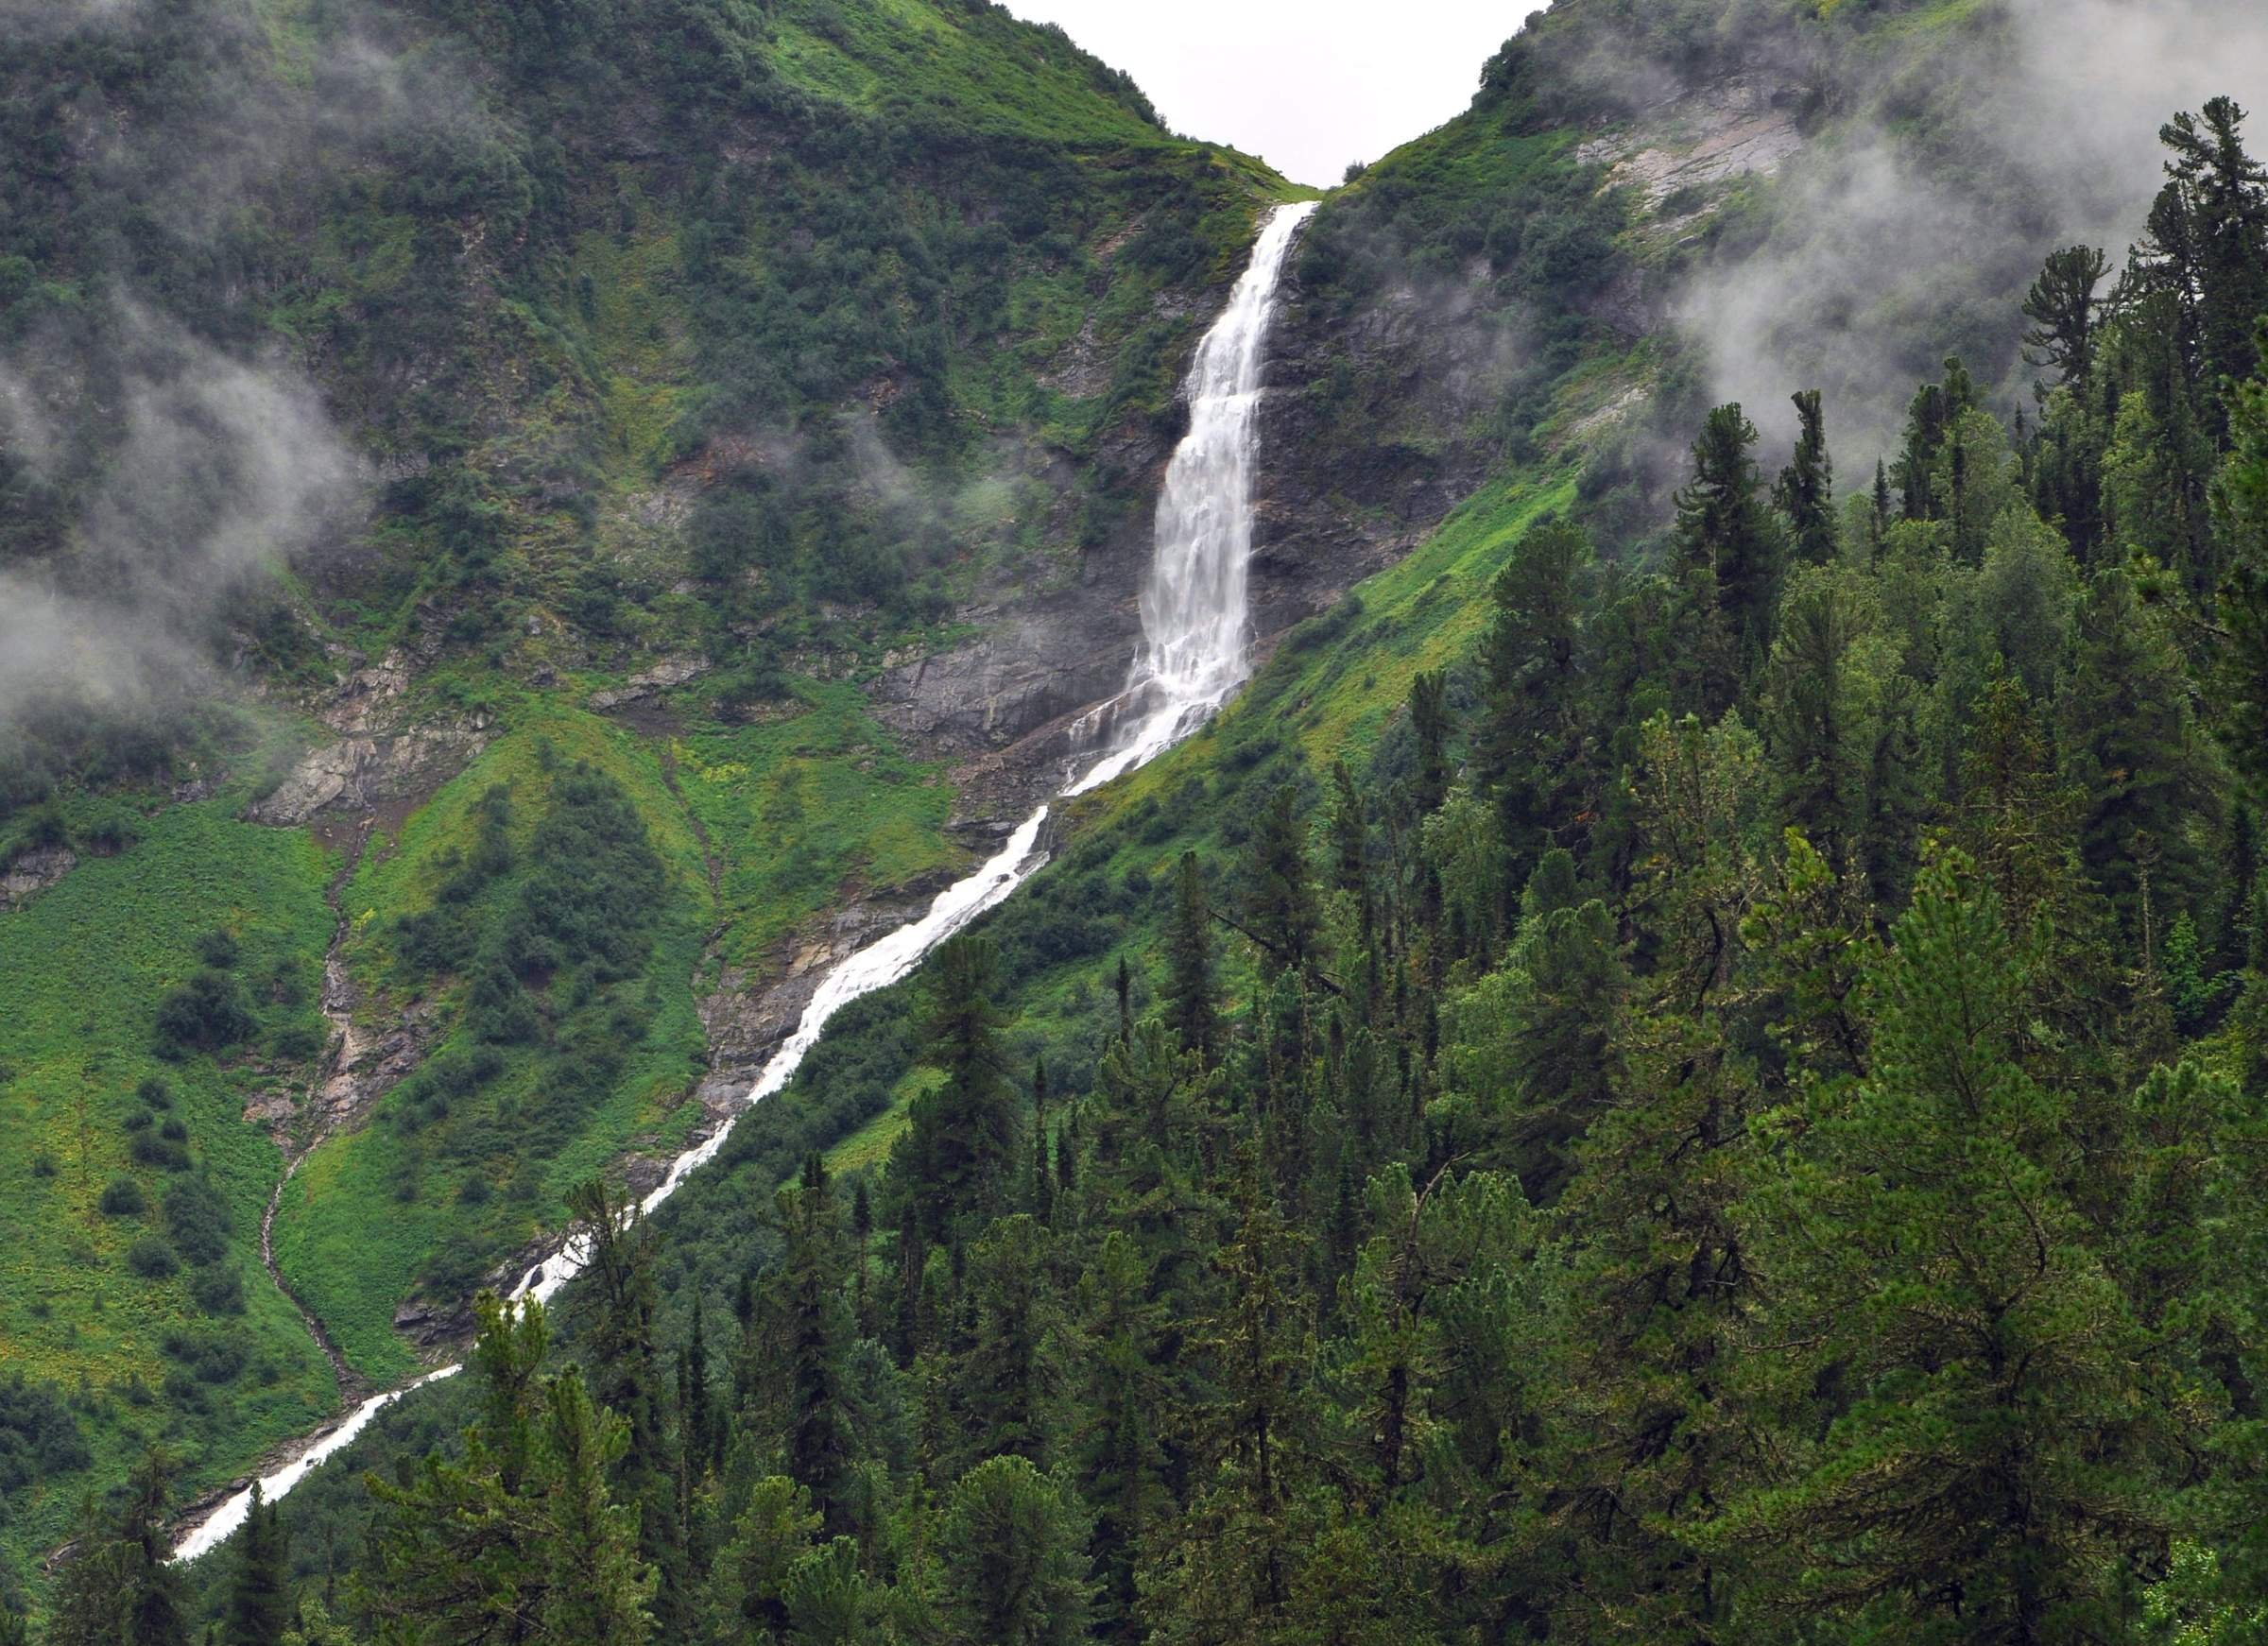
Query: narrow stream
{"points": [[1195, 652]]}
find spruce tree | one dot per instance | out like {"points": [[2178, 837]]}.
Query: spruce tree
{"points": [[1985, 1468], [1527, 750], [1730, 548], [964, 1138], [1280, 910], [1429, 719]]}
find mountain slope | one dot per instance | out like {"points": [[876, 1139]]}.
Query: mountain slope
{"points": [[536, 421]]}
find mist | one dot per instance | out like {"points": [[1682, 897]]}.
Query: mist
{"points": [[1886, 255], [225, 469]]}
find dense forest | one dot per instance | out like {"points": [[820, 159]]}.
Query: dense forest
{"points": [[1685, 1064]]}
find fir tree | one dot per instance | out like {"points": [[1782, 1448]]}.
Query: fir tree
{"points": [[2062, 307]]}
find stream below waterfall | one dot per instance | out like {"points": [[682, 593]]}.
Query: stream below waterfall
{"points": [[1195, 653]]}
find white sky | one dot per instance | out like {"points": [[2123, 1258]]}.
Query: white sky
{"points": [[1307, 85]]}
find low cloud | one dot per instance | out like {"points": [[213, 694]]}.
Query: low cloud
{"points": [[224, 469], [1915, 232]]}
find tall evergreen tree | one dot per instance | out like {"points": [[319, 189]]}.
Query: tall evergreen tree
{"points": [[259, 1603], [1429, 719], [1281, 914], [1527, 752], [964, 1139], [1730, 550], [1805, 495], [1983, 1468], [2063, 307], [1189, 989]]}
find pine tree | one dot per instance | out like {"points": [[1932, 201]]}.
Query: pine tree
{"points": [[1729, 547], [120, 1588], [259, 1603], [1189, 987], [2062, 306], [811, 1327], [1280, 910], [1926, 421], [1527, 750], [1805, 495], [1826, 696], [595, 1588], [2226, 191], [1983, 1471], [964, 1142], [1429, 719], [1017, 1574], [2131, 748], [523, 1538], [1043, 1186]]}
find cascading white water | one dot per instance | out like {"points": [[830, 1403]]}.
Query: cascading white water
{"points": [[1194, 654], [1194, 613]]}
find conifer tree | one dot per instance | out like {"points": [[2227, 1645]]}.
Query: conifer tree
{"points": [[2063, 308], [1805, 495], [964, 1138], [1730, 550], [259, 1603], [1985, 1468], [1017, 1574], [1189, 987], [1528, 753], [1279, 908], [1429, 719]]}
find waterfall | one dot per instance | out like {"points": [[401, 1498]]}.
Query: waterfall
{"points": [[1193, 654], [1194, 611]]}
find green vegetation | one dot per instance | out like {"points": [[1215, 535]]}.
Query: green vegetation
{"points": [[1683, 1064], [773, 385], [1755, 1141], [135, 1309]]}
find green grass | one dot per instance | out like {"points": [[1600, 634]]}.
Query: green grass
{"points": [[350, 1241], [797, 814], [800, 810], [867, 1149], [83, 969]]}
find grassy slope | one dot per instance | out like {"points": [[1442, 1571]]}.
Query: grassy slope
{"points": [[83, 969], [799, 809]]}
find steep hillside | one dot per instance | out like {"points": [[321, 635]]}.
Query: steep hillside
{"points": [[461, 462]]}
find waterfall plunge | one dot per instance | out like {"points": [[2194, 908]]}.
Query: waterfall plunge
{"points": [[1193, 654], [1194, 613]]}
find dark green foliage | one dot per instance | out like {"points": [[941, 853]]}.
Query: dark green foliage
{"points": [[151, 1259], [209, 1013], [259, 1603], [1190, 988], [118, 1585], [123, 1197], [197, 1220], [1729, 554], [1805, 494], [40, 1438], [2063, 308], [1725, 1124]]}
